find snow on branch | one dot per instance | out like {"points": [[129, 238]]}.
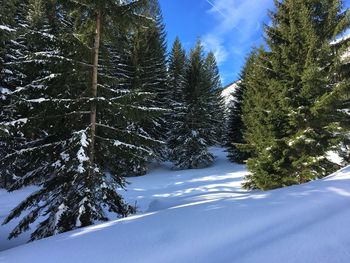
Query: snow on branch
{"points": [[7, 28]]}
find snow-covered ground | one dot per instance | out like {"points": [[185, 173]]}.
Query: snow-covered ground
{"points": [[204, 216], [7, 202]]}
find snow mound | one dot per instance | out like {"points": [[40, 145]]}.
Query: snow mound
{"points": [[204, 216]]}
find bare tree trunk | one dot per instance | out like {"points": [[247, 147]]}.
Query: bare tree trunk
{"points": [[96, 50]]}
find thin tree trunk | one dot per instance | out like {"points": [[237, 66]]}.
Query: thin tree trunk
{"points": [[93, 110]]}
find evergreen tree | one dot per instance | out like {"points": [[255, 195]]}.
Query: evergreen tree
{"points": [[176, 85], [195, 132], [75, 115], [12, 50], [300, 74], [215, 100], [176, 73], [149, 62], [8, 13], [236, 127], [336, 105], [265, 125]]}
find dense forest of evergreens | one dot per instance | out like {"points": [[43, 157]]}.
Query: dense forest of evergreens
{"points": [[89, 96]]}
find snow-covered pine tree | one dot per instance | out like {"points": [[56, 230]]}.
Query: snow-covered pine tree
{"points": [[12, 50], [302, 75], [119, 71], [176, 84], [75, 123], [215, 100], [6, 35], [176, 74], [7, 14], [236, 128], [195, 133], [149, 61]]}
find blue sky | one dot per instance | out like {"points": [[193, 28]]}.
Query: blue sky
{"points": [[228, 27]]}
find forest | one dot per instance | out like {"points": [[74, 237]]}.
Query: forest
{"points": [[92, 96]]}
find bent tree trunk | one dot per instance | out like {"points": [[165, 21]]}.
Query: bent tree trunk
{"points": [[93, 109]]}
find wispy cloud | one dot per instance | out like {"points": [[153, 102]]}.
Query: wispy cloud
{"points": [[241, 16], [215, 44], [238, 27], [217, 9]]}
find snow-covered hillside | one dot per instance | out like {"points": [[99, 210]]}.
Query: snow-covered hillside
{"points": [[227, 93], [204, 216]]}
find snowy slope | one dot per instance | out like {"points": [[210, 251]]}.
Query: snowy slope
{"points": [[160, 189], [203, 216], [342, 39], [227, 93], [7, 202]]}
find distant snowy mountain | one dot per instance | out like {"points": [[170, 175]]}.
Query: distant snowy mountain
{"points": [[228, 91], [341, 41]]}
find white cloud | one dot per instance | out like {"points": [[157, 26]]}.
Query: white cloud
{"points": [[238, 22], [236, 28], [244, 16], [215, 44], [214, 7]]}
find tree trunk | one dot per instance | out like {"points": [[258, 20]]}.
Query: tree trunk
{"points": [[93, 110]]}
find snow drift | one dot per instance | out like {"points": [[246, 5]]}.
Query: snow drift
{"points": [[204, 216]]}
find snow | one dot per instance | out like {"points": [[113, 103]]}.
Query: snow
{"points": [[7, 202], [7, 71], [334, 157], [341, 38], [346, 56], [15, 122], [204, 216], [6, 28], [4, 90], [228, 93], [81, 155], [39, 100]]}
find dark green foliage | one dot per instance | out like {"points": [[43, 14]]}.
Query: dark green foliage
{"points": [[198, 116], [12, 49], [288, 128], [236, 128], [215, 99], [336, 104], [150, 75], [176, 85], [77, 170]]}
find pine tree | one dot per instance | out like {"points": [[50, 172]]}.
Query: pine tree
{"points": [[215, 100], [76, 116], [12, 49], [336, 104], [6, 34], [149, 62], [195, 131], [301, 75], [236, 127], [8, 13], [265, 124], [176, 73], [176, 85]]}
